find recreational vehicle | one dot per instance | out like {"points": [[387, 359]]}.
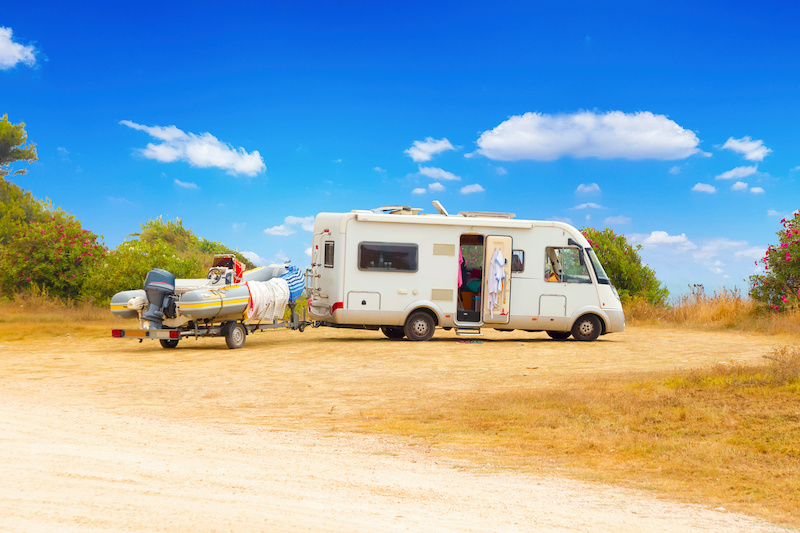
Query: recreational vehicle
{"points": [[407, 273]]}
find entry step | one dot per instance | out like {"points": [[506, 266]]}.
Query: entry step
{"points": [[469, 332]]}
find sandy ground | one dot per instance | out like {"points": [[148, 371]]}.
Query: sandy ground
{"points": [[112, 435]]}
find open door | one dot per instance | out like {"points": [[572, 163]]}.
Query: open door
{"points": [[497, 280]]}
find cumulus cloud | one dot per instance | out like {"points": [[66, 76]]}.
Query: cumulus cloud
{"points": [[618, 220], [290, 224], [739, 186], [254, 258], [470, 189], [204, 150], [438, 174], [591, 188], [436, 187], [610, 135], [704, 187], [422, 151], [589, 205], [738, 173], [419, 190], [757, 190], [12, 54], [662, 239], [185, 184], [750, 149]]}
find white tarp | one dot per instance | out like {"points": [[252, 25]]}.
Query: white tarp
{"points": [[268, 299]]}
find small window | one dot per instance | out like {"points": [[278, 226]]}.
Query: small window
{"points": [[387, 256], [565, 265], [328, 258], [517, 260]]}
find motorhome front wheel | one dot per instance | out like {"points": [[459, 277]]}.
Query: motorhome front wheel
{"points": [[586, 328]]}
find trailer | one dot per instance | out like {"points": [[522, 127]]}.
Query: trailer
{"points": [[407, 273], [229, 302]]}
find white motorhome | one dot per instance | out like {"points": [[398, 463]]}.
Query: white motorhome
{"points": [[407, 273]]}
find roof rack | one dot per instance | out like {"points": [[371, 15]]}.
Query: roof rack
{"points": [[397, 210], [490, 214]]}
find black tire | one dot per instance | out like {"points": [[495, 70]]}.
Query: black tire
{"points": [[419, 326], [586, 328], [169, 343], [235, 335], [559, 335], [393, 332]]}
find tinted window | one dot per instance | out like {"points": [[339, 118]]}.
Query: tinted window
{"points": [[387, 256], [517, 260], [328, 259], [566, 265]]}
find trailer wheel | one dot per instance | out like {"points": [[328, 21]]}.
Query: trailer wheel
{"points": [[419, 326], [559, 335], [586, 328], [235, 335], [393, 332], [168, 343]]}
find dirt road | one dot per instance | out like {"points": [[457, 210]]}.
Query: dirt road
{"points": [[111, 435]]}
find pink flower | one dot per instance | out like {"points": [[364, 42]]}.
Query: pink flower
{"points": [[788, 256], [784, 298]]}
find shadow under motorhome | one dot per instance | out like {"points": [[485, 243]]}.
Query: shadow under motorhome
{"points": [[407, 273]]}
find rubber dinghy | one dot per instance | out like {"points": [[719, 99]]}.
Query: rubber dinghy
{"points": [[227, 293]]}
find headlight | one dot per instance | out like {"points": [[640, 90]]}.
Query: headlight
{"points": [[614, 290]]}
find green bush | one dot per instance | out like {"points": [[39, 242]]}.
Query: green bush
{"points": [[779, 286], [633, 279], [55, 255]]}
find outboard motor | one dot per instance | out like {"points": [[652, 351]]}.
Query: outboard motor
{"points": [[159, 285]]}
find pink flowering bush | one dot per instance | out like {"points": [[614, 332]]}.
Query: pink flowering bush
{"points": [[779, 285], [621, 261], [53, 254]]}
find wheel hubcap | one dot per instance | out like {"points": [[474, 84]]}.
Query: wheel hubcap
{"points": [[586, 328]]}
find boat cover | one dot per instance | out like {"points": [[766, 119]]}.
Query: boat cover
{"points": [[268, 299]]}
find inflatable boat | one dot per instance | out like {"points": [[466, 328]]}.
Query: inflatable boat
{"points": [[227, 293]]}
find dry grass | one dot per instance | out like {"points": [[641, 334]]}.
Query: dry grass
{"points": [[37, 316], [726, 309], [727, 435]]}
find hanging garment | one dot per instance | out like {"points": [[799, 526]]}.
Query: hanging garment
{"points": [[259, 300], [494, 283], [296, 282]]}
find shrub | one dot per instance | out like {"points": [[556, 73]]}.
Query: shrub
{"points": [[779, 285], [633, 279]]}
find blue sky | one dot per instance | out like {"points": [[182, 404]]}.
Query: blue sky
{"points": [[675, 124]]}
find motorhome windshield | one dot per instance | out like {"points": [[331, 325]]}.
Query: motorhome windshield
{"points": [[599, 271]]}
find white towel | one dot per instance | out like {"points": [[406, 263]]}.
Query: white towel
{"points": [[260, 299]]}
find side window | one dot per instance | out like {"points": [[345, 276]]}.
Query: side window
{"points": [[566, 265], [327, 261], [387, 256], [517, 260]]}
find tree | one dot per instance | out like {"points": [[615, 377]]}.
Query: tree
{"points": [[779, 285], [621, 261], [12, 138]]}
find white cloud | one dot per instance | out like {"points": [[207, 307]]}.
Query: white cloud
{"points": [[738, 172], [202, 150], [422, 151], [307, 223], [704, 187], [379, 169], [185, 184], [308, 251], [438, 174], [739, 186], [591, 188], [662, 239], [501, 171], [470, 189], [254, 258], [614, 134], [618, 220], [750, 149], [419, 190], [436, 187], [12, 54], [757, 190], [290, 224], [588, 206], [281, 230], [675, 170]]}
